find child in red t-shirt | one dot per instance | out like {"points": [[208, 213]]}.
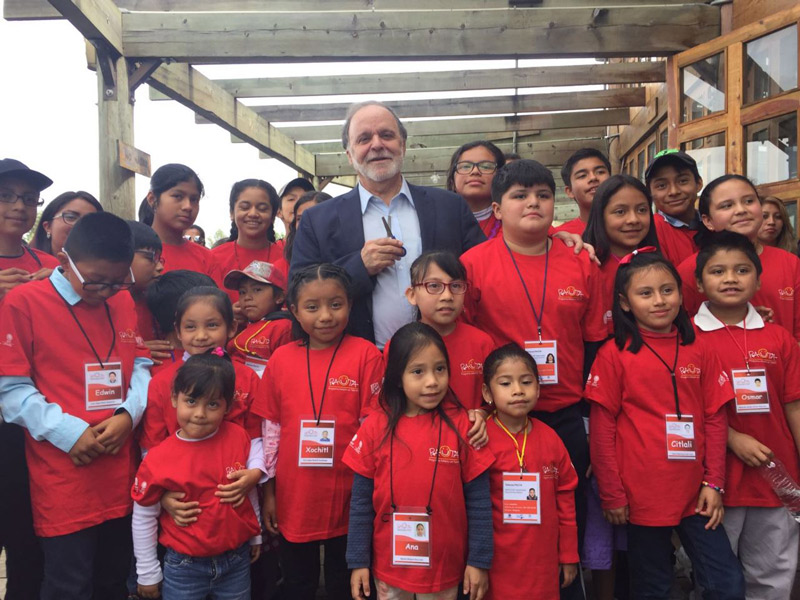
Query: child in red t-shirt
{"points": [[763, 362], [421, 510], [261, 292], [658, 433], [583, 173], [732, 203], [316, 392], [211, 556], [533, 486]]}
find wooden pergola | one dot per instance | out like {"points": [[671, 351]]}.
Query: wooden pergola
{"points": [[160, 42]]}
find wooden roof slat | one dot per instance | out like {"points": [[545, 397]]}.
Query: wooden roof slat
{"points": [[367, 35], [99, 21]]}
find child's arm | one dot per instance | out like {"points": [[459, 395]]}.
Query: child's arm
{"points": [[477, 435], [359, 535], [480, 543], [568, 556], [709, 501], [113, 432], [256, 540], [604, 465], [144, 527], [748, 449], [246, 479]]}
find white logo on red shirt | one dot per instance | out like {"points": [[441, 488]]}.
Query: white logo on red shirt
{"points": [[763, 355], [571, 293], [356, 446], [786, 293], [593, 380], [237, 466], [261, 341], [9, 340], [550, 471], [129, 336], [139, 488], [446, 454], [472, 367], [690, 371], [374, 388], [240, 396], [343, 383]]}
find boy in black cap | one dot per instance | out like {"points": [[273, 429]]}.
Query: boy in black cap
{"points": [[290, 193], [674, 182]]}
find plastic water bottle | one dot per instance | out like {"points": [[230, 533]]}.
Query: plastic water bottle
{"points": [[783, 484]]}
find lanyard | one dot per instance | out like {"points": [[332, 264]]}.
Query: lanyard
{"points": [[520, 453], [538, 316], [83, 331], [671, 371], [324, 384], [495, 229], [742, 350], [247, 342], [428, 508], [33, 255]]}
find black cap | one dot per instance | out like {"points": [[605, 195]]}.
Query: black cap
{"points": [[10, 167], [671, 156], [300, 182]]}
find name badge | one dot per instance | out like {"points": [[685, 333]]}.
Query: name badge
{"points": [[521, 498], [316, 443], [104, 386], [411, 539], [545, 353], [258, 365], [680, 437], [751, 391]]}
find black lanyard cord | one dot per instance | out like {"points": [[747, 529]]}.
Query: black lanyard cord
{"points": [[318, 416], [428, 508], [33, 255], [538, 316], [83, 331], [671, 371]]}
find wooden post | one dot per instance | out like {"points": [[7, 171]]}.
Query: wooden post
{"points": [[117, 191]]}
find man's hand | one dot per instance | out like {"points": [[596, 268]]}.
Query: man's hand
{"points": [[86, 449], [113, 432], [381, 253]]}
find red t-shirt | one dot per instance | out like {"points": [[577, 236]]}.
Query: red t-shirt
{"points": [[43, 342], [260, 340], [188, 256], [31, 260], [491, 227], [196, 468], [161, 420], [772, 349], [573, 309], [313, 502], [779, 281], [574, 226], [535, 550], [231, 256], [677, 243], [608, 273], [636, 389], [415, 456], [144, 320]]}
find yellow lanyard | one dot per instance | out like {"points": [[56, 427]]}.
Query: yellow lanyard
{"points": [[247, 343], [520, 453]]}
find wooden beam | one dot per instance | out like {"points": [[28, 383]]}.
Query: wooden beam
{"points": [[99, 21], [447, 81], [644, 121], [233, 37], [189, 87], [498, 105], [479, 125]]}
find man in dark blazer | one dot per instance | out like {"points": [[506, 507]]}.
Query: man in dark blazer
{"points": [[350, 230]]}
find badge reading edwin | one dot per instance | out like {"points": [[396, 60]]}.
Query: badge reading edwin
{"points": [[680, 437], [411, 539], [545, 353], [751, 391], [521, 498], [316, 443], [104, 387]]}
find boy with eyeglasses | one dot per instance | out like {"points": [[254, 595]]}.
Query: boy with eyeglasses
{"points": [[583, 173], [19, 198], [63, 337]]}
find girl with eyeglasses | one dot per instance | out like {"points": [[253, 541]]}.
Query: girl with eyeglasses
{"points": [[58, 218]]}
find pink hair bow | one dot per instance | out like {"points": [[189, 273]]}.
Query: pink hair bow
{"points": [[218, 351]]}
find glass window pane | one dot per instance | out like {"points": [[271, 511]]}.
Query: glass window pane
{"points": [[709, 152], [703, 87], [664, 140], [791, 208], [770, 65], [651, 151], [640, 164], [772, 149]]}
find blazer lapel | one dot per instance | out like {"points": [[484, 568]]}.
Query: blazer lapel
{"points": [[426, 212], [351, 225]]}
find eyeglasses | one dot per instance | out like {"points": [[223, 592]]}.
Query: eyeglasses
{"points": [[69, 217], [29, 199], [197, 239], [154, 258], [484, 166], [457, 288], [99, 286]]}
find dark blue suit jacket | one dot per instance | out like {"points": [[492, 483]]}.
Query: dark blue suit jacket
{"points": [[332, 232]]}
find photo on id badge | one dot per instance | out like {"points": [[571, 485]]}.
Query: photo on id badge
{"points": [[316, 443], [545, 353], [750, 388], [680, 437], [104, 387]]}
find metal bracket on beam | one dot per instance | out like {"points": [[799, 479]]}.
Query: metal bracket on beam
{"points": [[321, 182], [140, 70], [108, 71]]}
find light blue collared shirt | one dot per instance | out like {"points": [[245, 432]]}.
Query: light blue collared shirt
{"points": [[390, 309], [677, 223], [23, 404]]}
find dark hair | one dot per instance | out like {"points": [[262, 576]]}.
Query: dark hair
{"points": [[274, 203], [206, 376], [725, 240], [499, 158], [200, 229], [40, 240], [625, 328], [498, 356], [209, 294], [509, 156], [168, 176], [102, 236], [144, 238], [306, 275], [596, 233], [146, 213], [704, 204], [311, 196], [524, 172], [407, 341], [444, 259], [354, 108], [579, 155], [164, 292]]}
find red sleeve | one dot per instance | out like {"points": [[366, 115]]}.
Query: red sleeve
{"points": [[717, 390], [796, 284], [692, 298], [716, 445], [360, 454], [565, 505], [593, 324], [146, 489], [603, 450], [16, 331], [283, 334], [790, 357], [474, 461], [267, 402], [252, 421], [372, 377], [603, 384], [154, 428]]}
